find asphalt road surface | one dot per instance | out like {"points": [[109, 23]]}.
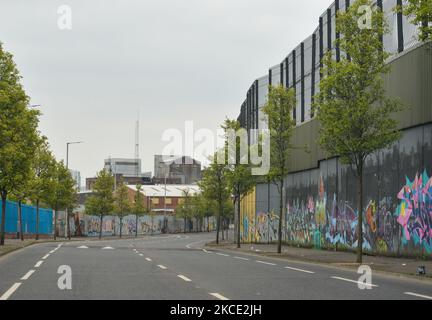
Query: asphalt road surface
{"points": [[178, 267]]}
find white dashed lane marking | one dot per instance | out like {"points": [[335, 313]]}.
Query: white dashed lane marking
{"points": [[264, 262], [219, 296], [184, 278], [11, 290], [45, 256], [82, 247], [300, 270], [148, 259], [418, 295], [354, 281], [162, 267], [107, 248], [28, 275], [222, 254], [38, 264], [241, 258]]}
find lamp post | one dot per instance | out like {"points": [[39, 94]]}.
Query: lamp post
{"points": [[67, 167]]}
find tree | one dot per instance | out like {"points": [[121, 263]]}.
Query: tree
{"points": [[18, 133], [214, 186], [185, 209], [63, 193], [420, 14], [138, 206], [240, 179], [102, 202], [278, 110], [41, 184], [352, 109], [122, 203]]}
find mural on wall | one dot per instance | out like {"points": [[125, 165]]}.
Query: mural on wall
{"points": [[267, 225], [405, 226], [414, 212]]}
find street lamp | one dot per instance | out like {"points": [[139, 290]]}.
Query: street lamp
{"points": [[67, 167], [67, 151]]}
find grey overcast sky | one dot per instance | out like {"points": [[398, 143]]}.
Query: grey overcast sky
{"points": [[173, 60]]}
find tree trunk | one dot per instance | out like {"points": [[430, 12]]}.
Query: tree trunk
{"points": [[223, 229], [279, 247], [68, 224], [3, 218], [218, 228], [360, 214], [238, 221], [100, 226], [20, 220], [136, 226], [208, 224], [37, 219], [55, 224], [121, 226]]}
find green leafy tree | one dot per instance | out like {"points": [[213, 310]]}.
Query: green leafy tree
{"points": [[63, 194], [278, 110], [102, 202], [185, 209], [352, 108], [18, 133], [215, 187], [420, 14], [240, 178], [42, 182], [122, 203], [138, 207]]}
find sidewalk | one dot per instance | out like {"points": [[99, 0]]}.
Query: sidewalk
{"points": [[403, 266]]}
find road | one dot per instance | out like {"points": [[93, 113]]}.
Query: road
{"points": [[178, 267]]}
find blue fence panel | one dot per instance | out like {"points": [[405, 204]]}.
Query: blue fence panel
{"points": [[28, 218]]}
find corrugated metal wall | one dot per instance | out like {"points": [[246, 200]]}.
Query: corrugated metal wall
{"points": [[321, 203], [28, 218]]}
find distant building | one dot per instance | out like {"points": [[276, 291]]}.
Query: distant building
{"points": [[176, 170], [125, 167], [76, 175], [124, 170], [161, 165], [161, 200]]}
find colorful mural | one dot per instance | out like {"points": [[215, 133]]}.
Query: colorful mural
{"points": [[399, 224], [414, 212]]}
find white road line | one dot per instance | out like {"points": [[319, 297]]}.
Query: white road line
{"points": [[148, 259], [107, 248], [38, 264], [267, 263], [28, 274], [418, 295], [184, 278], [241, 258], [354, 281], [45, 256], [11, 290], [52, 251], [162, 267], [223, 254], [141, 255], [83, 247], [219, 296], [301, 270]]}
